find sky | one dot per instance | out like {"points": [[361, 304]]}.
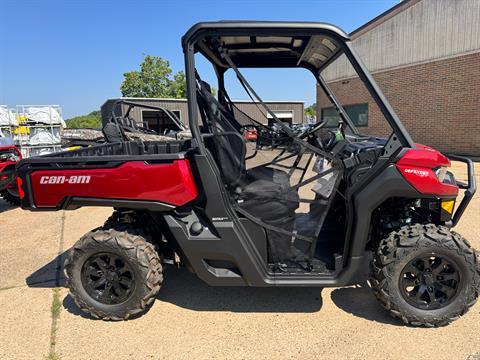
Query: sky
{"points": [[74, 53]]}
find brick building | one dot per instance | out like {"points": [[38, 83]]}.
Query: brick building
{"points": [[425, 56]]}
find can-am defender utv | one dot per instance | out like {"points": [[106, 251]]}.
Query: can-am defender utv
{"points": [[196, 203]]}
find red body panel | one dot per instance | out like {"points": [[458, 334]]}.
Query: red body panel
{"points": [[417, 167], [7, 178], [170, 183], [4, 164]]}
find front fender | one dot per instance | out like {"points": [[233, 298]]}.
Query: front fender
{"points": [[388, 184]]}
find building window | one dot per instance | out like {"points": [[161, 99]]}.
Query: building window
{"points": [[358, 113]]}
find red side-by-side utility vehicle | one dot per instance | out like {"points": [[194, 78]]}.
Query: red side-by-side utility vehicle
{"points": [[314, 214]]}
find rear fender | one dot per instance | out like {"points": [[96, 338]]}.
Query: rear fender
{"points": [[132, 184]]}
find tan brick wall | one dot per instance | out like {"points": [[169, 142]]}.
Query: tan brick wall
{"points": [[438, 102]]}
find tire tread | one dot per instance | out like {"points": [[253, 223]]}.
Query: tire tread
{"points": [[410, 238], [130, 239]]}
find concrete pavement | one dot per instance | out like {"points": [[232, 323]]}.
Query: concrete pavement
{"points": [[191, 320]]}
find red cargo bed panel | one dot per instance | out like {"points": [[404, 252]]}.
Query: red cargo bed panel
{"points": [[170, 183]]}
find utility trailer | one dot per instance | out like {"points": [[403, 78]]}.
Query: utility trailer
{"points": [[196, 203]]}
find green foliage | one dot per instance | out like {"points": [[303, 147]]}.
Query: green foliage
{"points": [[154, 80], [56, 303], [178, 87], [92, 121], [311, 111]]}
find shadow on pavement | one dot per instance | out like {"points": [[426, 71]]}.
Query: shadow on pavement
{"points": [[186, 290], [48, 276], [4, 206], [359, 300]]}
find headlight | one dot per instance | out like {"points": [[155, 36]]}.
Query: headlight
{"points": [[441, 173]]}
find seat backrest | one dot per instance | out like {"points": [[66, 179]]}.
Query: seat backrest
{"points": [[113, 133], [226, 144]]}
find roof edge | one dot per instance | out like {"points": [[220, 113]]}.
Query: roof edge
{"points": [[231, 25], [383, 17], [185, 100]]}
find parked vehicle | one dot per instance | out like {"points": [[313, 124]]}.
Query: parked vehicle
{"points": [[250, 134], [194, 202], [9, 156], [273, 137]]}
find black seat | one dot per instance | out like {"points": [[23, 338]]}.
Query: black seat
{"points": [[113, 133], [260, 191], [228, 145], [269, 174]]}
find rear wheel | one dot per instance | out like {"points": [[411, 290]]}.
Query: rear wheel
{"points": [[11, 196], [425, 275], [113, 272]]}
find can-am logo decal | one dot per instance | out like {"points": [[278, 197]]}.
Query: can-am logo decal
{"points": [[74, 179], [421, 173]]}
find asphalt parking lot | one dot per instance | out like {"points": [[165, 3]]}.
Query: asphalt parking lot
{"points": [[190, 320]]}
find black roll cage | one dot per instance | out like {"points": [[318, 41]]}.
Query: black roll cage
{"points": [[263, 28], [398, 140], [119, 120]]}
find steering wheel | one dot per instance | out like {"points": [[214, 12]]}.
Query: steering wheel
{"points": [[312, 130]]}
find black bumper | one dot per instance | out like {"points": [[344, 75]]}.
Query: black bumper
{"points": [[470, 187]]}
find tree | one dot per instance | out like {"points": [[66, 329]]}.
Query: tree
{"points": [[92, 121], [311, 111], [154, 79]]}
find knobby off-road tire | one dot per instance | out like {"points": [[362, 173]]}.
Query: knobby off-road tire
{"points": [[130, 248], [10, 197], [400, 249]]}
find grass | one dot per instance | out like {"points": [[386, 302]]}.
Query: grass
{"points": [[55, 309], [56, 303], [52, 356], [56, 306]]}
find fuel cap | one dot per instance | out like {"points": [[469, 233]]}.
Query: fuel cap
{"points": [[196, 228]]}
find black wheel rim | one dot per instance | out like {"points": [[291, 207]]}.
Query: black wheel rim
{"points": [[108, 278], [430, 282]]}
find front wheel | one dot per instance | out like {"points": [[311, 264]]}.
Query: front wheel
{"points": [[425, 275], [113, 272]]}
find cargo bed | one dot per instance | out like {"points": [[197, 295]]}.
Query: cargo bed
{"points": [[154, 173]]}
